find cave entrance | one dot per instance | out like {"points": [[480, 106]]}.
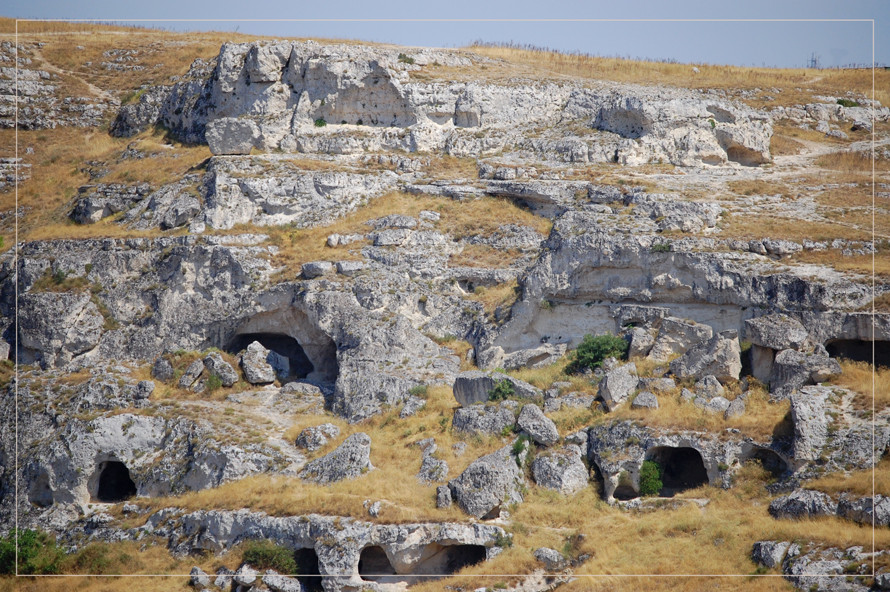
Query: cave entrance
{"points": [[461, 556], [769, 460], [284, 345], [683, 468], [308, 572], [115, 484], [860, 350], [375, 566]]}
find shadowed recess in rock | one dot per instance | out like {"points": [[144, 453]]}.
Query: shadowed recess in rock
{"points": [[290, 348], [683, 468], [40, 494], [375, 566], [860, 350], [769, 460], [308, 570], [115, 484]]}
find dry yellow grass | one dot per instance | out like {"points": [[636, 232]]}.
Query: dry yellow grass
{"points": [[858, 483], [862, 264], [782, 145], [392, 453], [862, 378], [500, 296], [484, 256], [790, 81], [480, 216], [752, 226]]}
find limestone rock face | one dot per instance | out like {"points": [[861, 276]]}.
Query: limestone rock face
{"points": [[803, 504], [560, 470], [677, 336], [348, 461], [538, 426], [776, 332], [230, 135], [488, 482], [866, 510], [56, 326]]}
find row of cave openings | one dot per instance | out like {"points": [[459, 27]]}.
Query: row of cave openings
{"points": [[683, 468]]}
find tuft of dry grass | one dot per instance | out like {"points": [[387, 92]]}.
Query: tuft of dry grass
{"points": [[782, 145], [492, 298], [476, 255], [753, 226]]}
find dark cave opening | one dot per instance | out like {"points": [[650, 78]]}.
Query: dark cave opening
{"points": [[308, 570], [770, 461], [285, 345], [860, 350], [374, 565], [115, 484], [461, 556], [683, 468]]}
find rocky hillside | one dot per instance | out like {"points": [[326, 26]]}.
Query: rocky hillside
{"points": [[300, 315]]}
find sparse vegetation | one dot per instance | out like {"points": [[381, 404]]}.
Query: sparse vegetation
{"points": [[38, 553], [503, 390], [593, 350], [650, 478], [263, 554]]}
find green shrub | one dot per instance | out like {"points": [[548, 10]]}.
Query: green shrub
{"points": [[713, 123], [320, 122], [503, 389], [650, 478], [661, 248], [419, 390], [847, 103], [265, 554], [213, 383], [594, 349], [405, 59], [38, 553]]}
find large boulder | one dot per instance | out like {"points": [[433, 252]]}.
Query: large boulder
{"points": [[217, 366], [803, 503], [720, 356], [776, 332], [475, 387], [488, 483], [769, 553], [866, 510], [349, 460], [560, 470], [618, 384], [808, 415], [537, 426], [676, 336], [191, 374], [485, 419], [793, 369], [315, 437], [255, 364]]}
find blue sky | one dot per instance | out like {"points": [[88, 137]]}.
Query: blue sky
{"points": [[784, 44]]}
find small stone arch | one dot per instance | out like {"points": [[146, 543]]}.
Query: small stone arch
{"points": [[111, 482], [682, 468], [374, 565], [311, 352], [769, 459]]}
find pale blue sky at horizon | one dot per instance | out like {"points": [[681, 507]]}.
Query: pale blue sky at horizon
{"points": [[747, 43]]}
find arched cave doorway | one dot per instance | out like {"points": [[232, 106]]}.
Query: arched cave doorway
{"points": [[374, 565], [860, 350], [308, 570], [769, 460], [115, 484], [284, 345], [683, 468]]}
